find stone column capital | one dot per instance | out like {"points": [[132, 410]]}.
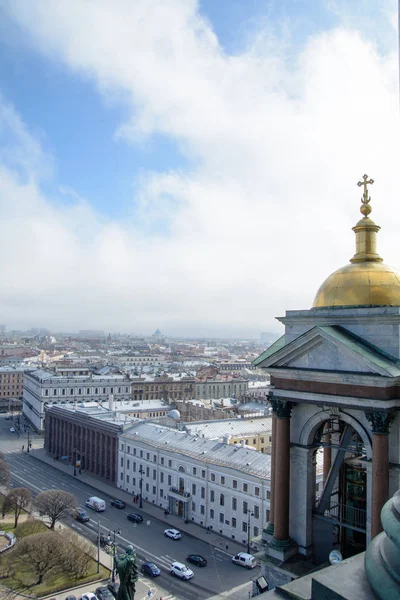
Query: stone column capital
{"points": [[380, 421], [282, 408]]}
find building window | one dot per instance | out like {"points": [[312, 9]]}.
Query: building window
{"points": [[154, 490], [234, 504], [256, 512], [127, 464], [104, 390], [88, 390], [169, 479], [221, 517], [134, 452], [194, 506], [212, 476], [244, 527], [256, 491], [154, 458], [79, 391], [245, 487], [54, 392], [122, 461], [255, 531], [170, 463], [134, 467], [222, 480], [234, 484], [203, 492], [194, 470], [162, 477], [162, 460], [63, 392], [202, 509], [193, 489], [46, 392], [154, 474], [212, 496], [268, 494], [147, 487], [141, 454], [161, 493], [128, 449], [122, 476], [111, 390], [221, 500], [147, 472], [127, 479], [148, 456], [233, 522], [122, 447], [211, 513], [245, 508], [203, 474]]}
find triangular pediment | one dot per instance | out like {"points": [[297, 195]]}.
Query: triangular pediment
{"points": [[331, 349]]}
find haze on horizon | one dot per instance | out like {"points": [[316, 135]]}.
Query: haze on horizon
{"points": [[192, 168]]}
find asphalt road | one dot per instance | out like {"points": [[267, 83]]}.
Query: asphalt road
{"points": [[147, 538]]}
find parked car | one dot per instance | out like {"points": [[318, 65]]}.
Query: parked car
{"points": [[81, 515], [118, 503], [88, 596], [135, 517], [71, 598], [197, 559], [180, 570], [103, 593], [12, 430], [113, 587], [106, 541], [245, 560], [151, 569], [174, 534]]}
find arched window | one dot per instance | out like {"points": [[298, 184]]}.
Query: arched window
{"points": [[181, 470]]}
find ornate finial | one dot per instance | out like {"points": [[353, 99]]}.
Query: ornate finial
{"points": [[365, 209]]}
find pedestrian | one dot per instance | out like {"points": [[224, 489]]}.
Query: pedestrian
{"points": [[23, 447]]}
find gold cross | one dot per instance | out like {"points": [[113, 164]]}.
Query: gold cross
{"points": [[365, 199]]}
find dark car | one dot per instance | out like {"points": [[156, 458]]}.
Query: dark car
{"points": [[197, 559], [71, 598], [118, 503], [103, 593], [113, 587], [151, 569], [81, 515], [135, 517]]}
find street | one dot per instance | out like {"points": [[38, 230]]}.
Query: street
{"points": [[220, 575]]}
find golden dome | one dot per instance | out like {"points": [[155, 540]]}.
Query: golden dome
{"points": [[366, 280]]}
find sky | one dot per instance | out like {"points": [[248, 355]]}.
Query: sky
{"points": [[189, 165]]}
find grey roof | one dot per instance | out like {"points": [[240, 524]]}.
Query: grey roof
{"points": [[234, 427], [205, 450]]}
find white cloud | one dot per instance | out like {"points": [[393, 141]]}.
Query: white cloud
{"points": [[265, 211]]}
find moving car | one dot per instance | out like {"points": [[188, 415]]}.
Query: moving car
{"points": [[118, 503], [197, 559], [81, 515], [174, 534], [96, 504], [135, 517], [180, 570], [151, 569], [245, 560], [12, 430], [103, 593]]}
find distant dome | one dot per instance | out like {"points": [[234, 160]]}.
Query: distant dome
{"points": [[174, 414], [366, 281]]}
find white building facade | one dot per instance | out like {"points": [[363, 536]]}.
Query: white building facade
{"points": [[42, 388], [218, 486]]}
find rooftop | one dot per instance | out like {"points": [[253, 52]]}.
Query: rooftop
{"points": [[233, 427]]}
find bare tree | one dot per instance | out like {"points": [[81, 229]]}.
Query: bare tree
{"points": [[41, 551], [17, 500], [56, 504], [78, 553], [4, 471]]}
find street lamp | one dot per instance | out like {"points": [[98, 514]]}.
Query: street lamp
{"points": [[141, 485], [115, 532], [29, 442], [249, 514]]}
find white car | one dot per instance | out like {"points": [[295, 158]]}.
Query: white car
{"points": [[180, 570], [174, 534], [12, 430]]}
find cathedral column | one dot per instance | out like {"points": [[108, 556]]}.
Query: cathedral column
{"points": [[270, 526], [380, 424], [282, 473]]}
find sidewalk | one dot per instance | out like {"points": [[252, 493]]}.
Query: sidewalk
{"points": [[230, 547]]}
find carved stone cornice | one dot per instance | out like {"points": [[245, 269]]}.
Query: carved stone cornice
{"points": [[282, 408], [380, 421]]}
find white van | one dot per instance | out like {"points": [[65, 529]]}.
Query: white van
{"points": [[96, 504], [245, 560]]}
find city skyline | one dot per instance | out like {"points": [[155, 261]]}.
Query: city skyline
{"points": [[194, 168]]}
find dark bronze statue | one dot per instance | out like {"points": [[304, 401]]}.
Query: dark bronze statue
{"points": [[126, 567]]}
